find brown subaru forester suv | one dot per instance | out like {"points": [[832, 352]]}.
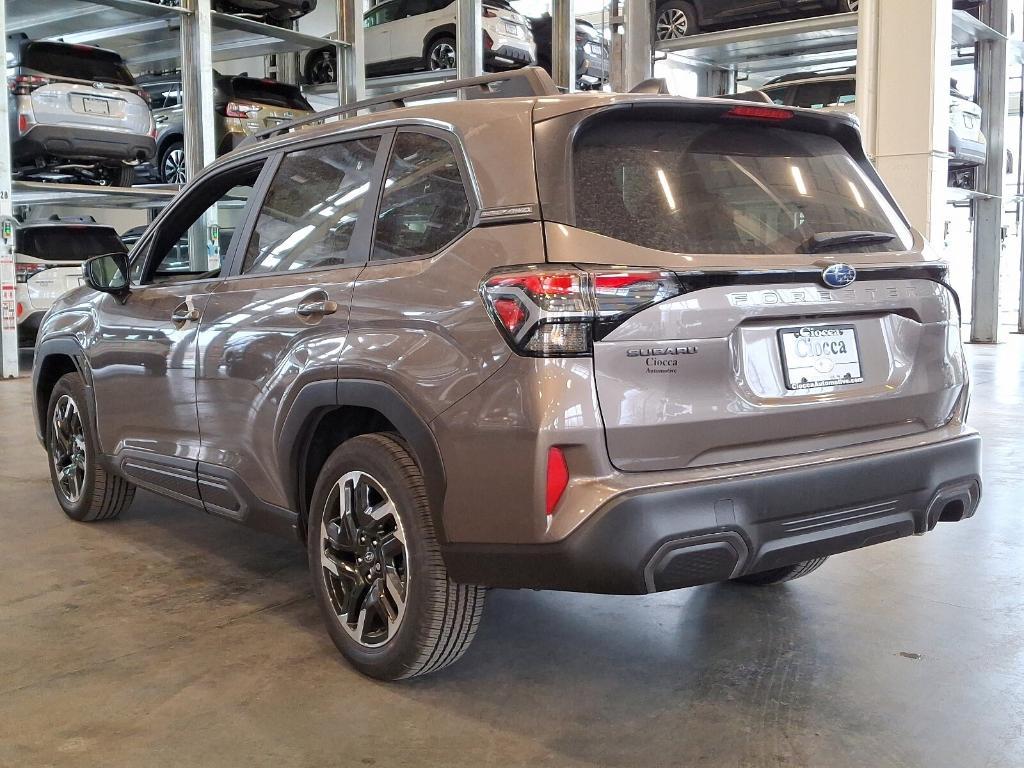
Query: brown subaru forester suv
{"points": [[615, 343]]}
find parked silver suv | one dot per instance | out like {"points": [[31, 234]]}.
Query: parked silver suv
{"points": [[76, 114], [611, 343]]}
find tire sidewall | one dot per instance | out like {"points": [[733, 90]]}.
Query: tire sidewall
{"points": [[369, 454], [441, 41], [163, 158], [692, 23], [72, 386]]}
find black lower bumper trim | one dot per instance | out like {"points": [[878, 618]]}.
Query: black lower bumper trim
{"points": [[81, 144], [706, 532]]}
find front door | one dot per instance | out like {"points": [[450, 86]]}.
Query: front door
{"points": [[279, 321], [145, 352]]}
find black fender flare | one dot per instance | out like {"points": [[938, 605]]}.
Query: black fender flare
{"points": [[65, 346], [443, 30], [317, 398]]}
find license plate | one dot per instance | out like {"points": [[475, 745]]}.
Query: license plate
{"points": [[594, 49], [96, 106], [511, 29], [820, 356]]}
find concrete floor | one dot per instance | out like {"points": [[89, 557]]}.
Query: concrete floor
{"points": [[174, 638]]}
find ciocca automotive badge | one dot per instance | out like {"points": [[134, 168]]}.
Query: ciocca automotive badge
{"points": [[838, 275]]}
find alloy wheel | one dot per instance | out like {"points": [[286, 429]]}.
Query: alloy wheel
{"points": [[442, 56], [67, 449], [852, 5], [672, 24], [322, 69], [363, 559], [173, 168]]}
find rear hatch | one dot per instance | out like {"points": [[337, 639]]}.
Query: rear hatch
{"points": [[78, 85], [264, 103], [50, 258], [965, 117], [501, 17], [729, 233]]}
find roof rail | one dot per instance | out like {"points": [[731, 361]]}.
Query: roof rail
{"points": [[528, 81]]}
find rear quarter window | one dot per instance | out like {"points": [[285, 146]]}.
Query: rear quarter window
{"points": [[716, 188]]}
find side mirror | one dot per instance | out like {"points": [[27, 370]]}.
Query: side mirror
{"points": [[107, 273]]}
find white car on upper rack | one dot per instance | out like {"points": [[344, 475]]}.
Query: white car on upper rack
{"points": [[409, 35]]}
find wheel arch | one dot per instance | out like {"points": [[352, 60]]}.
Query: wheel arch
{"points": [[168, 138], [324, 414], [445, 30], [55, 358]]}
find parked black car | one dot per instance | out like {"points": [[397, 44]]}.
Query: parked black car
{"points": [[271, 10], [679, 18], [592, 54]]}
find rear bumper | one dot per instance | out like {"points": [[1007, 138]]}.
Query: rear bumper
{"points": [[508, 57], [81, 144], [965, 153], [678, 536]]}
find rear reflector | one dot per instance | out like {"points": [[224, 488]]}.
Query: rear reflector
{"points": [[558, 478], [760, 113]]}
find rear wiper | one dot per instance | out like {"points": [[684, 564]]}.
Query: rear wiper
{"points": [[824, 240]]}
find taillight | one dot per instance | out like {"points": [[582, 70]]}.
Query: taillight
{"points": [[581, 38], [557, 479], [488, 42], [25, 271], [23, 85], [490, 13], [559, 312], [238, 109], [22, 123], [760, 113]]}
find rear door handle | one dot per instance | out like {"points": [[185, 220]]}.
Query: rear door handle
{"points": [[316, 308], [185, 312]]}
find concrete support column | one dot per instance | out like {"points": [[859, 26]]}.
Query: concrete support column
{"points": [[563, 43], [469, 47], [993, 86], [903, 73]]}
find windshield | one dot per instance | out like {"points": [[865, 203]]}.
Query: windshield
{"points": [[79, 62], [68, 242], [714, 188]]}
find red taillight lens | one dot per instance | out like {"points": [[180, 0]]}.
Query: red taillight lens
{"points": [[238, 109], [490, 13], [760, 113], [22, 85], [22, 123], [488, 42], [558, 479], [552, 312], [24, 272]]}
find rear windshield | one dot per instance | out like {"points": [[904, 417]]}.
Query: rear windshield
{"points": [[68, 243], [78, 62], [271, 93], [714, 188]]}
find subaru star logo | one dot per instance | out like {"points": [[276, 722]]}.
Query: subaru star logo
{"points": [[838, 275]]}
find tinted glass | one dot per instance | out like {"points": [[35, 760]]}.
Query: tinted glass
{"points": [[269, 92], [714, 188], [68, 243], [425, 205], [382, 14], [311, 209], [79, 62]]}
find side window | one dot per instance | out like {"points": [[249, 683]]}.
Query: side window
{"points": [[311, 209], [844, 92], [382, 14], [192, 243], [425, 205]]}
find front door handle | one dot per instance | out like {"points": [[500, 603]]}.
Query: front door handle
{"points": [[185, 313], [316, 308]]}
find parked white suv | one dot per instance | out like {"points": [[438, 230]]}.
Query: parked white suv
{"points": [[968, 147], [48, 258], [409, 35]]}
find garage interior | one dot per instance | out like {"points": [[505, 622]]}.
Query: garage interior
{"points": [[171, 637]]}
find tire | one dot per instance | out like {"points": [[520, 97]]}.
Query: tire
{"points": [[674, 19], [94, 494], [119, 175], [441, 53], [780, 575], [849, 6], [408, 618], [172, 169], [321, 67]]}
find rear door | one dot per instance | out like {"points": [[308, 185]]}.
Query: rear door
{"points": [[762, 352], [377, 31], [279, 321]]}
